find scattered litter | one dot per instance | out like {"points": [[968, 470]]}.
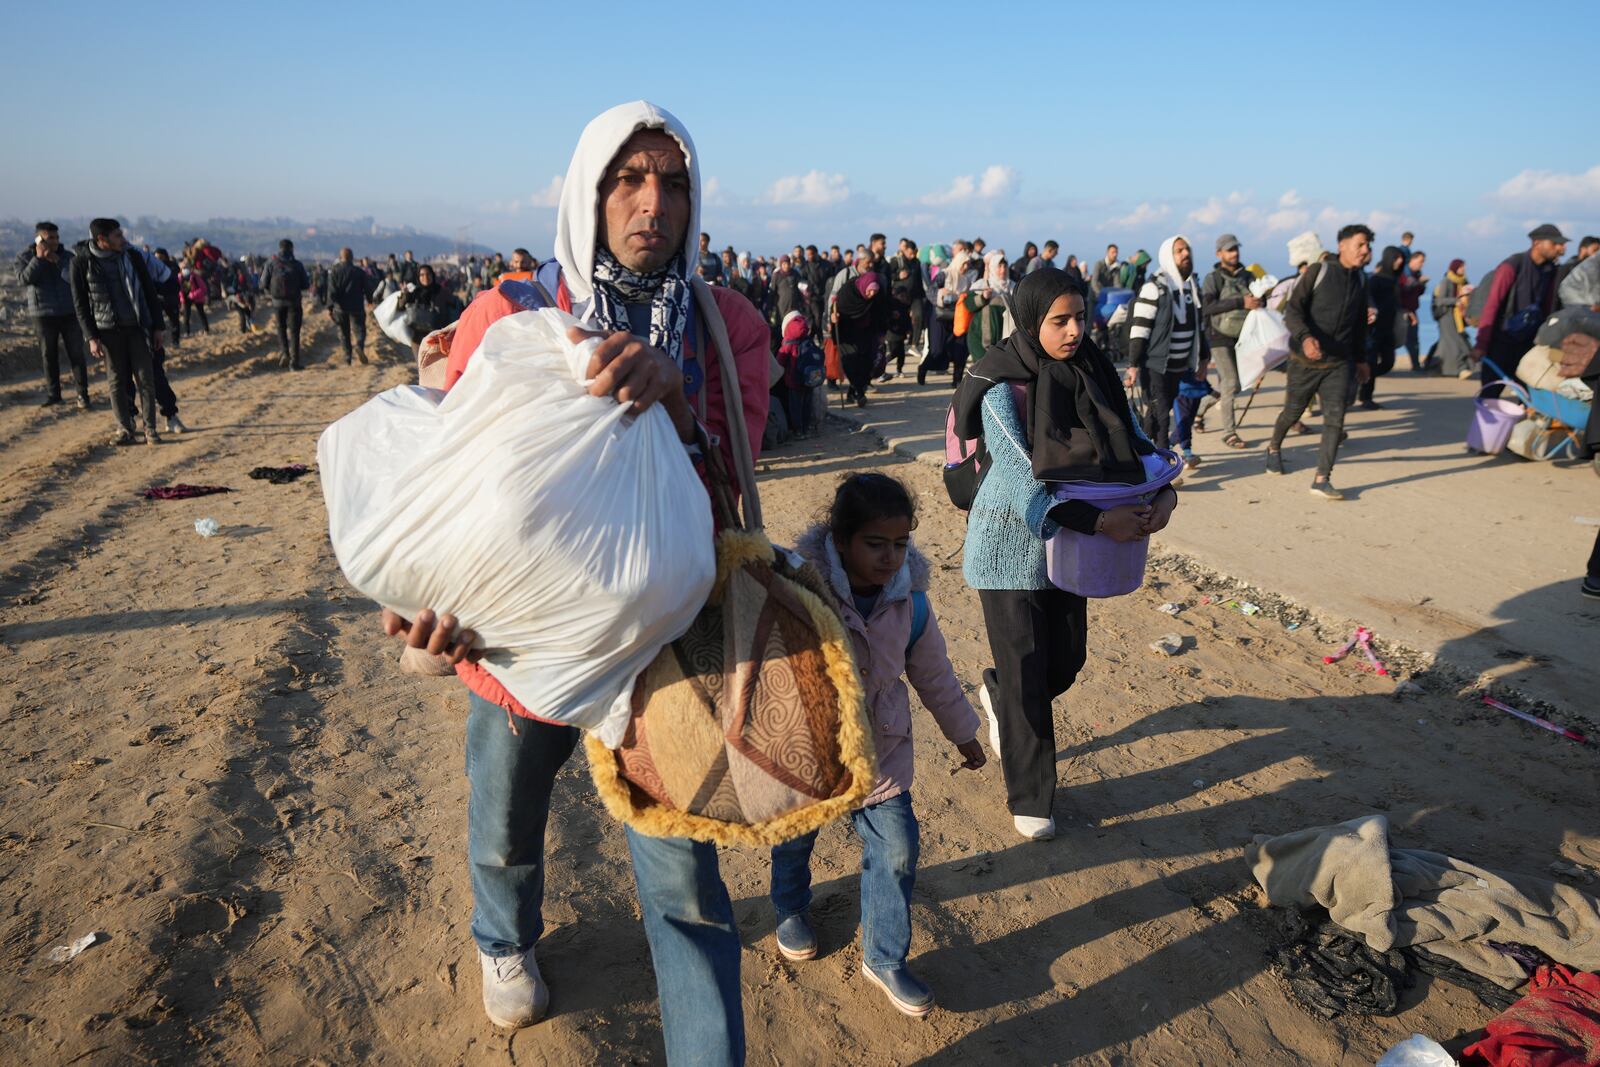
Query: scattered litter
{"points": [[1168, 645], [280, 475], [1170, 608], [1417, 1051], [1362, 638], [1565, 731], [182, 491], [1243, 607], [1292, 626], [1199, 783], [1572, 870], [1205, 600], [63, 953], [1585, 520], [207, 527], [1407, 688]]}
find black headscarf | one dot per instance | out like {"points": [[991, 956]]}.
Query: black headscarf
{"points": [[1079, 424]]}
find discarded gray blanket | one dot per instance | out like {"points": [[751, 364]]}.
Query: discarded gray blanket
{"points": [[1394, 897]]}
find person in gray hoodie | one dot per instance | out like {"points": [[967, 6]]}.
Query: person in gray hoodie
{"points": [[119, 312], [45, 269]]}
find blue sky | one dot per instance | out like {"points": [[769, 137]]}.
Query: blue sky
{"points": [[1465, 122]]}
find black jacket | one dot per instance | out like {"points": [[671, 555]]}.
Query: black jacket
{"points": [[49, 284], [908, 290], [292, 271], [786, 296], [1329, 302], [348, 288], [98, 296]]}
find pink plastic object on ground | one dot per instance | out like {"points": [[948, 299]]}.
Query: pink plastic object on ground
{"points": [[1093, 565], [1362, 639]]}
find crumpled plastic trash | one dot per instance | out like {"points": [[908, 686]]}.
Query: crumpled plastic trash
{"points": [[1170, 608], [64, 953], [1167, 645], [1417, 1051], [207, 527]]}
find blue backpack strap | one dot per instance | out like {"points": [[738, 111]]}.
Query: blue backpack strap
{"points": [[919, 618]]}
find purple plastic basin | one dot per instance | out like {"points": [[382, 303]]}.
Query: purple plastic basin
{"points": [[1093, 565]]}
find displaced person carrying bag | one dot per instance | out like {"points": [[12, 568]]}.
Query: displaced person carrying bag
{"points": [[630, 197]]}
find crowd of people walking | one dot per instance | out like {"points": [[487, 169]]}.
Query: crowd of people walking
{"points": [[1032, 360]]}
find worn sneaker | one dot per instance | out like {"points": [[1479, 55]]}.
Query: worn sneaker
{"points": [[122, 437], [50, 400], [362, 356], [151, 437], [905, 990], [1274, 462], [175, 425], [84, 403], [514, 993], [1191, 462], [1371, 405], [795, 939], [888, 376], [988, 710], [1325, 490], [1034, 828], [1591, 588]]}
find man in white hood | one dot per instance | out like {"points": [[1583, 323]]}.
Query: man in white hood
{"points": [[631, 197], [1166, 335]]}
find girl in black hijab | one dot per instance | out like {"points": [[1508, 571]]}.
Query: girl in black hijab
{"points": [[1050, 408]]}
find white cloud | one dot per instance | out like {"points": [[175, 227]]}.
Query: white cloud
{"points": [[996, 181], [815, 189], [780, 225], [1484, 226], [1286, 220], [549, 196], [1387, 224], [1546, 189], [712, 193], [1207, 214], [1290, 198], [1143, 215]]}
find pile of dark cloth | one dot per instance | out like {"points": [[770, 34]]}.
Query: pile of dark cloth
{"points": [[280, 475]]}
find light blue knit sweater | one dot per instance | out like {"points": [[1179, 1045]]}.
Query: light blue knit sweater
{"points": [[1007, 526]]}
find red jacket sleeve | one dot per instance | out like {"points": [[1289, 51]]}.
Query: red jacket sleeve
{"points": [[750, 339], [1504, 275], [486, 308]]}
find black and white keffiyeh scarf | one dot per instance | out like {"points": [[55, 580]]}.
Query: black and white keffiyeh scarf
{"points": [[666, 290]]}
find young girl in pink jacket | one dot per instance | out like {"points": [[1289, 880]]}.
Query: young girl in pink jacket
{"points": [[864, 550]]}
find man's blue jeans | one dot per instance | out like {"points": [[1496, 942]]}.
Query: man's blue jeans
{"points": [[688, 917], [511, 775], [890, 846], [694, 945]]}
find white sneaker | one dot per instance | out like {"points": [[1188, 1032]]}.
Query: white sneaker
{"points": [[994, 721], [175, 425], [1034, 828], [514, 993]]}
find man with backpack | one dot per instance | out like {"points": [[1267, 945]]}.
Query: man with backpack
{"points": [[623, 266], [1327, 319], [285, 280], [1225, 302], [1165, 335], [1516, 298]]}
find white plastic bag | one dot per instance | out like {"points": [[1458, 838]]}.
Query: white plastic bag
{"points": [[1263, 344], [1417, 1051], [391, 320], [576, 539]]}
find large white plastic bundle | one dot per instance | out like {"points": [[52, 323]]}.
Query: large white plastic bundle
{"points": [[576, 539], [1263, 344]]}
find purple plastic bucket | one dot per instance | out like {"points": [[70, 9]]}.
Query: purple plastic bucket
{"points": [[1093, 565], [1493, 419]]}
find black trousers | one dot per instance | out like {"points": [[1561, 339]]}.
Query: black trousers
{"points": [[57, 332], [128, 361], [346, 321], [1382, 357], [174, 321], [857, 357], [189, 311], [1039, 640], [1162, 394], [289, 318], [1329, 381], [166, 399]]}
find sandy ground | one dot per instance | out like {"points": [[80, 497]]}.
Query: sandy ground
{"points": [[207, 755], [1471, 558]]}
